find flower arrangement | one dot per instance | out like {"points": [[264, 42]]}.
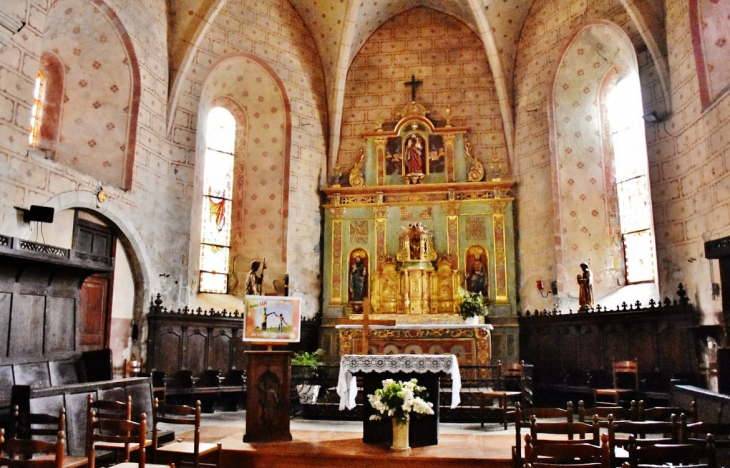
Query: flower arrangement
{"points": [[473, 304], [398, 400]]}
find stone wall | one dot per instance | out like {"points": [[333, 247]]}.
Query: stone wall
{"points": [[450, 60], [688, 152]]}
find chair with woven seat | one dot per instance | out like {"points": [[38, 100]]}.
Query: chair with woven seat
{"points": [[23, 453], [625, 383], [182, 452], [120, 432]]}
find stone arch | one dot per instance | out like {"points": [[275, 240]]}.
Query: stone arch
{"points": [[265, 161], [129, 237], [584, 200], [95, 50]]}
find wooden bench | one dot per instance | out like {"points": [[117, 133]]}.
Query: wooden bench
{"points": [[209, 387]]}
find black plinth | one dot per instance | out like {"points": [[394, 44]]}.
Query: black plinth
{"points": [[423, 431]]}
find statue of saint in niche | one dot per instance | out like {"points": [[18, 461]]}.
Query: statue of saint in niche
{"points": [[413, 154], [254, 282], [476, 271], [585, 287], [358, 275]]}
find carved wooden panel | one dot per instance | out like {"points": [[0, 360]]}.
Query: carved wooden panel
{"points": [[220, 349], [168, 350], [569, 341], [267, 403], [590, 356], [60, 324], [196, 350], [26, 325], [616, 341], [5, 302], [643, 345]]}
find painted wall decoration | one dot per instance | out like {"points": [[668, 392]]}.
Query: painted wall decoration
{"points": [[710, 22], [272, 319], [584, 192], [98, 121]]}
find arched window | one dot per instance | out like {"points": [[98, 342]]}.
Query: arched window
{"points": [[220, 137], [35, 110], [627, 137]]}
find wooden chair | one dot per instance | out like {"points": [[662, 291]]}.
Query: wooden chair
{"points": [[46, 427], [498, 392], [559, 454], [182, 452], [619, 413], [115, 411], [664, 413], [622, 371], [642, 433], [23, 453], [120, 432], [523, 417], [568, 429], [676, 454]]}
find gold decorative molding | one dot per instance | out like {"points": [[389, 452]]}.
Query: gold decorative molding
{"points": [[476, 228], [453, 209], [450, 150], [337, 212], [380, 144], [500, 259], [358, 232], [380, 211], [336, 284], [356, 177], [476, 172]]}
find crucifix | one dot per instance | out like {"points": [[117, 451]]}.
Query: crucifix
{"points": [[414, 84], [366, 322]]}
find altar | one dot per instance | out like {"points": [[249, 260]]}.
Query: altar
{"points": [[469, 344], [427, 369], [420, 220]]}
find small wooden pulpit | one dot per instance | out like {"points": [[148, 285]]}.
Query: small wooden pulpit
{"points": [[268, 396]]}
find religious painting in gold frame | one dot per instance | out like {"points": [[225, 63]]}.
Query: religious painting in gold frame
{"points": [[358, 275], [476, 270]]}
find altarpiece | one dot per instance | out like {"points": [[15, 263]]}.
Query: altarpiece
{"points": [[416, 226]]}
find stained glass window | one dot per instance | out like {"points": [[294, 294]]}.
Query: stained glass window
{"points": [[35, 110], [220, 137]]}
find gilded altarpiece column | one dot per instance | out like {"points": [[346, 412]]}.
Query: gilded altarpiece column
{"points": [[452, 230], [450, 149], [337, 214], [380, 156], [500, 255], [380, 213]]}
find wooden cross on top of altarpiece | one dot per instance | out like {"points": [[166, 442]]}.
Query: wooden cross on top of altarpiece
{"points": [[366, 322]]}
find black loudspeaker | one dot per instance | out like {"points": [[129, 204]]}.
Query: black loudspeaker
{"points": [[42, 214]]}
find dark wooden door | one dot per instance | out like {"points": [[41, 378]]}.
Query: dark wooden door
{"points": [[96, 291], [95, 314]]}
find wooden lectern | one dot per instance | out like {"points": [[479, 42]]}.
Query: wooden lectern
{"points": [[268, 396]]}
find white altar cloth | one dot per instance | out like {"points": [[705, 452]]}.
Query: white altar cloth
{"points": [[414, 363]]}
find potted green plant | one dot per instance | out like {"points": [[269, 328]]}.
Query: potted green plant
{"points": [[473, 306], [397, 400], [304, 371]]}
